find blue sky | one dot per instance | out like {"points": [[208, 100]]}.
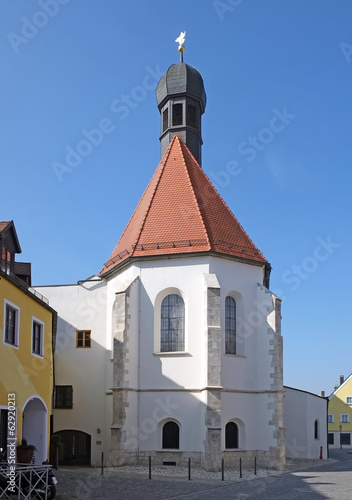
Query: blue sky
{"points": [[276, 132]]}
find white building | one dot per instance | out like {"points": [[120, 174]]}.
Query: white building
{"points": [[174, 350], [306, 424]]}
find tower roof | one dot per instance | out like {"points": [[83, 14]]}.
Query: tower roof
{"points": [[181, 212], [181, 79]]}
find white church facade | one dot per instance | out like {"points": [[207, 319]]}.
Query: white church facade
{"points": [[174, 350]]}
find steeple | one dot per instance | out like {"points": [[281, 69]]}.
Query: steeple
{"points": [[181, 100]]}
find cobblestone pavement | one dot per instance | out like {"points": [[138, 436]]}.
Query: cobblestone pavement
{"points": [[330, 479]]}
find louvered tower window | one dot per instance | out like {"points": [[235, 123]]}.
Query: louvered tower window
{"points": [[177, 114], [191, 116], [165, 119]]}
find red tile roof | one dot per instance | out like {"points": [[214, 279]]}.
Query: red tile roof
{"points": [[181, 212], [3, 225]]}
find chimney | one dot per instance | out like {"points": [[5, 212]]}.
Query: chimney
{"points": [[322, 394], [342, 379]]}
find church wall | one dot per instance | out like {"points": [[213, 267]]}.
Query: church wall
{"points": [[158, 279], [243, 370], [250, 380], [185, 408]]}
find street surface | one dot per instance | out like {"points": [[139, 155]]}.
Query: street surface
{"points": [[329, 481]]}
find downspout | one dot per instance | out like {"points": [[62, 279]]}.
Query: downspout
{"points": [[53, 345], [139, 352], [89, 280], [327, 428]]}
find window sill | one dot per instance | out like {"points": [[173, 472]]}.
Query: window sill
{"points": [[169, 450], [172, 353], [14, 346], [36, 355], [235, 355]]}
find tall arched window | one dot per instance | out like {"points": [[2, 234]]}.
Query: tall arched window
{"points": [[171, 436], [230, 325], [172, 333], [231, 435]]}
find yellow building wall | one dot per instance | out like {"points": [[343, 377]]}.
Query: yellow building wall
{"points": [[21, 372], [338, 406]]}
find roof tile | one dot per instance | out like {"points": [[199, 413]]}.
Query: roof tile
{"points": [[181, 212]]}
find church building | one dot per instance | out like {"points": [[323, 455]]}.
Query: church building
{"points": [[174, 349]]}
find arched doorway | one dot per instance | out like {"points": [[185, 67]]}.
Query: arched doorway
{"points": [[76, 447], [35, 427]]}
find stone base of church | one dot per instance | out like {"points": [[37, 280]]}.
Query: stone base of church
{"points": [[171, 457], [271, 459]]}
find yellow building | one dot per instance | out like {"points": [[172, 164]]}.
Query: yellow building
{"points": [[27, 329], [340, 415]]}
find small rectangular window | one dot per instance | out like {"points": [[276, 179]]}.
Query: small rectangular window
{"points": [[191, 116], [83, 338], [11, 324], [37, 337], [349, 400], [330, 438], [165, 119], [331, 418], [64, 396], [177, 115], [344, 418]]}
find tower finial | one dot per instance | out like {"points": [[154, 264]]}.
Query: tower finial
{"points": [[181, 40]]}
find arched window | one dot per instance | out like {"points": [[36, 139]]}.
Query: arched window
{"points": [[172, 333], [230, 325], [171, 436], [231, 435]]}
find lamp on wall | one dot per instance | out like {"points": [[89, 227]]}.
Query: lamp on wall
{"points": [[340, 427], [98, 430]]}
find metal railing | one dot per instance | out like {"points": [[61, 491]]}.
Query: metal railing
{"points": [[24, 481], [5, 269]]}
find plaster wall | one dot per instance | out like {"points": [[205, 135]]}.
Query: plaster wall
{"points": [[301, 411], [82, 307]]}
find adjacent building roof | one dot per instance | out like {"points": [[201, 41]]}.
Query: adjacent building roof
{"points": [[3, 225], [8, 232], [181, 212]]}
